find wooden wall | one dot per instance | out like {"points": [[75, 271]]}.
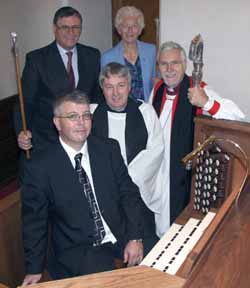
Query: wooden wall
{"points": [[8, 145], [11, 248], [11, 251]]}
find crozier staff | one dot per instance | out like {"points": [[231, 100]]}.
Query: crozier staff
{"points": [[19, 86]]}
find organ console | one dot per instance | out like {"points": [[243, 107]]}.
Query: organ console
{"points": [[208, 244], [220, 173]]}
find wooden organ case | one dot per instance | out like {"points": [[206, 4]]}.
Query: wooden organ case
{"points": [[221, 252], [221, 215]]}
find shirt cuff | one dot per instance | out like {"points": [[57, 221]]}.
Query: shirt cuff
{"points": [[208, 105], [212, 106], [136, 240]]}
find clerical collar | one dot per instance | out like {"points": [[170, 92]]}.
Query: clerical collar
{"points": [[172, 91], [115, 111]]}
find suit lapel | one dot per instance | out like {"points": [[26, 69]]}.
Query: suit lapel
{"points": [[57, 73], [141, 53], [82, 66], [97, 168], [119, 53], [68, 179]]}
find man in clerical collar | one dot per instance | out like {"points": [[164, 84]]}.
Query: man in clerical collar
{"points": [[134, 124], [176, 103]]}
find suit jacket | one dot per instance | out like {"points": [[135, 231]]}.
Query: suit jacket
{"points": [[44, 78], [52, 194], [147, 54]]}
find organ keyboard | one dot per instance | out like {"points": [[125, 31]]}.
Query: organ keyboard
{"points": [[171, 251]]}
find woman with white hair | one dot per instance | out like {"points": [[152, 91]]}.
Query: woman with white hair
{"points": [[140, 57]]}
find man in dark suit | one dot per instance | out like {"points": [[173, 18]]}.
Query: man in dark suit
{"points": [[53, 193], [50, 71]]}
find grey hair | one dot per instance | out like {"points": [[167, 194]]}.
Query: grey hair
{"points": [[75, 96], [114, 68], [170, 45], [127, 11]]}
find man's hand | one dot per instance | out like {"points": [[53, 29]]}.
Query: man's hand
{"points": [[31, 279], [197, 96], [133, 253], [24, 140]]}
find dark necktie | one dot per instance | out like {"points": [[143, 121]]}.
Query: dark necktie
{"points": [[70, 70], [99, 231]]}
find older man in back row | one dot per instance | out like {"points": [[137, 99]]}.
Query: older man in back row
{"points": [[177, 103], [136, 127]]}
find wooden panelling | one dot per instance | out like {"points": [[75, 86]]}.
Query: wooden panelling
{"points": [[8, 146], [11, 249], [3, 286]]}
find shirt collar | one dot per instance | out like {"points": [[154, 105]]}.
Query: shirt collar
{"points": [[64, 51], [72, 152]]}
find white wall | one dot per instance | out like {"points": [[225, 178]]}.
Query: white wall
{"points": [[97, 22], [225, 28], [32, 20]]}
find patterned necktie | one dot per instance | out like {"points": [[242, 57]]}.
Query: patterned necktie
{"points": [[70, 70], [99, 231]]}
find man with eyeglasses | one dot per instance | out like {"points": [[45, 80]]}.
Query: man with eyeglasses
{"points": [[61, 66], [79, 186], [177, 103]]}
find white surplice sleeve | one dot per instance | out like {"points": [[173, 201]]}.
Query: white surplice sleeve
{"points": [[227, 109], [145, 166]]}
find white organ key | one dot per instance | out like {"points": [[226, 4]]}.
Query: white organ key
{"points": [[161, 244], [167, 259], [194, 238], [206, 221], [169, 254], [172, 249]]}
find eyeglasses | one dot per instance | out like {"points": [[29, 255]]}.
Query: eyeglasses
{"points": [[126, 28], [170, 64], [66, 29], [75, 117]]}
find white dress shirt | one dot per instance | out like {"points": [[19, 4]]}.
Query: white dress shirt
{"points": [[109, 237], [64, 56]]}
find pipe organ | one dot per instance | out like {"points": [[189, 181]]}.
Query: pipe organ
{"points": [[208, 245]]}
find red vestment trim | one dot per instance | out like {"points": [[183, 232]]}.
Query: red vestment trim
{"points": [[214, 108]]}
